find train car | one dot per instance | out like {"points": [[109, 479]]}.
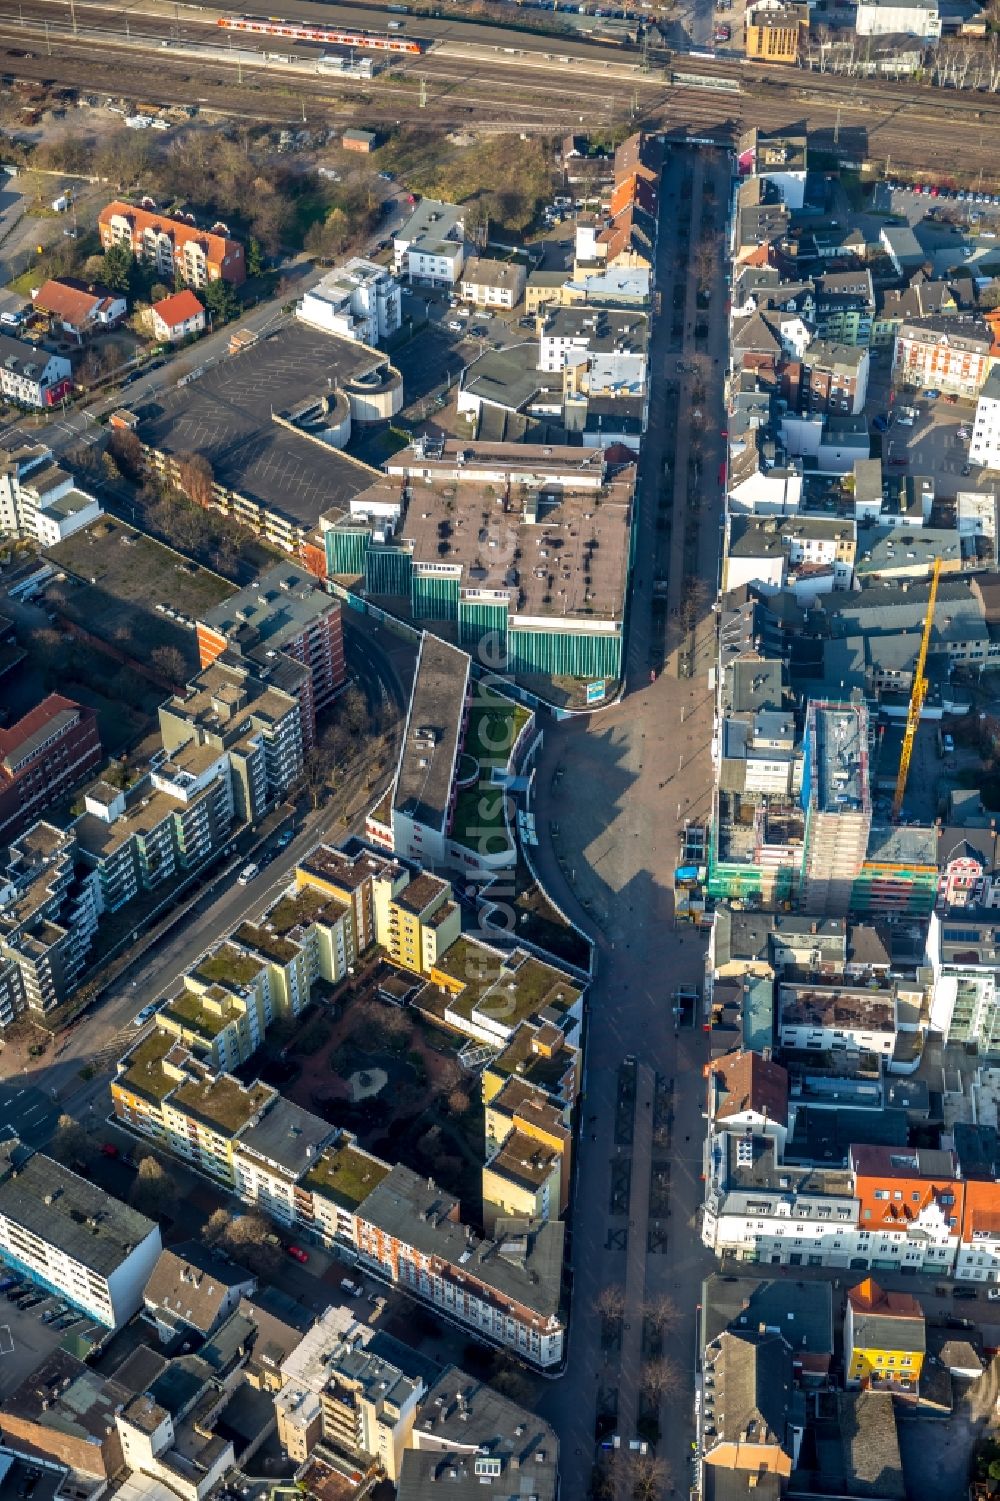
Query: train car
{"points": [[327, 36]]}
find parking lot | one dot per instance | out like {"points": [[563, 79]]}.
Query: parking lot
{"points": [[936, 444], [27, 1334]]}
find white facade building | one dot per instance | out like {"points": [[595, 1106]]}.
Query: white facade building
{"points": [[32, 377], [359, 300], [984, 447], [430, 247], [890, 18], [72, 1238]]}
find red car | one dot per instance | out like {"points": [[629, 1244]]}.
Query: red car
{"points": [[297, 1254], [108, 1149]]}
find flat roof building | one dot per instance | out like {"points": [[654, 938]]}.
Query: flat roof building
{"points": [[75, 1239]]}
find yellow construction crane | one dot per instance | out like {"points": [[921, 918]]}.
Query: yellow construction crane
{"points": [[917, 696]]}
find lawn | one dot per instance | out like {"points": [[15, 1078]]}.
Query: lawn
{"points": [[493, 728]]}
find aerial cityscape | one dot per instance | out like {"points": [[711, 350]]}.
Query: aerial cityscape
{"points": [[500, 750]]}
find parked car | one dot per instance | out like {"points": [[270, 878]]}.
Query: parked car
{"points": [[931, 394], [964, 1292], [993, 1294], [108, 1149], [966, 470], [146, 1014], [881, 423], [297, 1254], [285, 838], [723, 33], [248, 873], [899, 462]]}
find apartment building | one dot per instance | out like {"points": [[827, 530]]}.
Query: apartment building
{"points": [[599, 349], [49, 911], [469, 1439], [753, 1419], [487, 993], [836, 796], [73, 1239], [506, 1289], [885, 1339], [230, 707], [174, 246], [360, 301], [170, 821], [422, 924], [32, 377], [429, 249], [41, 501], [340, 1389], [845, 306], [528, 1155], [834, 377], [774, 32], [63, 1411], [282, 612], [837, 1019], [949, 354], [45, 754], [962, 950], [492, 284], [984, 447]]}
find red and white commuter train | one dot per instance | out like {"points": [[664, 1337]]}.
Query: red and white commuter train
{"points": [[331, 36]]}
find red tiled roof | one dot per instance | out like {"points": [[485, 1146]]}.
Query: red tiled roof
{"points": [[217, 247], [73, 304], [868, 1297], [982, 1209], [178, 307], [746, 1081]]}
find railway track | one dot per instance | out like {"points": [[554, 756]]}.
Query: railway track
{"points": [[917, 130]]}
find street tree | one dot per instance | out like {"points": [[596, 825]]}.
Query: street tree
{"points": [[647, 1476], [660, 1378], [662, 1313], [610, 1303], [69, 1144], [154, 1192]]}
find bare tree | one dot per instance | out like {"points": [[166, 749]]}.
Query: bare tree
{"points": [[610, 1303], [154, 1191], [170, 661], [195, 477], [458, 1102], [660, 1378], [648, 1476], [662, 1313]]}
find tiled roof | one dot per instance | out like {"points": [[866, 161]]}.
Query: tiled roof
{"points": [[178, 307], [746, 1081]]}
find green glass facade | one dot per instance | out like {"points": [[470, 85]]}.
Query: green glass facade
{"points": [[434, 596], [345, 551], [387, 570], [476, 620], [564, 654]]}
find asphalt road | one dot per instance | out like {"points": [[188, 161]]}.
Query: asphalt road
{"points": [[619, 787]]}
